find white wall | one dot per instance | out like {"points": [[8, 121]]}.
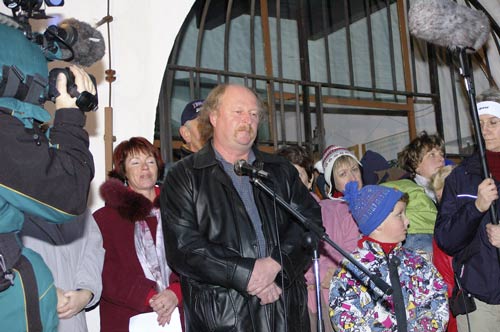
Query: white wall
{"points": [[142, 35]]}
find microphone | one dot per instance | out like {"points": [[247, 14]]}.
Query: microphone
{"points": [[74, 41], [446, 23], [243, 168], [79, 43]]}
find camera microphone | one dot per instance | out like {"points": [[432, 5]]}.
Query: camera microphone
{"points": [[79, 43], [243, 168], [446, 23], [74, 41]]}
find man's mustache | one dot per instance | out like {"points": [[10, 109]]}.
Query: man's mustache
{"points": [[245, 128]]}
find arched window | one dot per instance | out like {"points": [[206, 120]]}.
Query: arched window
{"points": [[330, 71]]}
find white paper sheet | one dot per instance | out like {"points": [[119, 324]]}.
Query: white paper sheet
{"points": [[147, 322]]}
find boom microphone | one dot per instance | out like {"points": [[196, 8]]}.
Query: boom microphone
{"points": [[446, 23], [75, 41], [243, 168]]}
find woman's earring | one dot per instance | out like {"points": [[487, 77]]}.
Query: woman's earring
{"points": [[125, 183]]}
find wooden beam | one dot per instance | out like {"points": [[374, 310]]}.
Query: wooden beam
{"points": [[405, 46], [354, 102], [109, 139], [268, 62]]}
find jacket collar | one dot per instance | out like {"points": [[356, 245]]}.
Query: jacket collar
{"points": [[206, 156], [472, 164], [129, 204], [366, 243]]}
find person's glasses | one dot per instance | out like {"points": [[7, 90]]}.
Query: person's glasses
{"points": [[490, 123]]}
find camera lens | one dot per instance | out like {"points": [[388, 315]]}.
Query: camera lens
{"points": [[54, 3], [11, 3], [27, 5]]}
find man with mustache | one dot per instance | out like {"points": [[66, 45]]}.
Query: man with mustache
{"points": [[240, 256]]}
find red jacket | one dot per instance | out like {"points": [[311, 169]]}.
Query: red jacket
{"points": [[126, 290], [442, 262]]}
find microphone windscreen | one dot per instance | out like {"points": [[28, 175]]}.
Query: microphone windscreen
{"points": [[446, 23], [89, 45]]}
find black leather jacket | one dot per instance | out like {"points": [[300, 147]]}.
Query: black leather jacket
{"points": [[211, 243]]}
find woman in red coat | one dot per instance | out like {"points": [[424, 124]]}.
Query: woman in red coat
{"points": [[136, 278]]}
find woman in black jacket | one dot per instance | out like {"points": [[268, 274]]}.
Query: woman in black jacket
{"points": [[464, 228]]}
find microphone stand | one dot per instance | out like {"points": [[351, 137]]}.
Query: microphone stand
{"points": [[321, 234], [469, 87], [317, 282]]}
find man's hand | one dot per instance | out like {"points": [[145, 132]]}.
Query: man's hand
{"points": [[164, 304], [264, 272], [83, 83], [77, 301], [269, 294], [493, 232], [486, 193]]}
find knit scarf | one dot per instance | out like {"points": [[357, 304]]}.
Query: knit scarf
{"points": [[151, 255]]}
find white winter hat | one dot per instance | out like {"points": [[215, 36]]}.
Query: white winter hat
{"points": [[488, 107], [330, 155]]}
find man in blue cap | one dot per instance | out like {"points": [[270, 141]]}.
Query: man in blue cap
{"points": [[190, 129]]}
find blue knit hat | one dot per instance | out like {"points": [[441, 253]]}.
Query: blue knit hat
{"points": [[370, 205]]}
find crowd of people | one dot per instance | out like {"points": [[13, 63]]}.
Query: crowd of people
{"points": [[221, 247]]}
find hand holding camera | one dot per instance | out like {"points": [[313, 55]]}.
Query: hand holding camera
{"points": [[73, 88]]}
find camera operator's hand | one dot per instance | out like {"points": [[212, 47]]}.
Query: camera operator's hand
{"points": [[83, 83]]}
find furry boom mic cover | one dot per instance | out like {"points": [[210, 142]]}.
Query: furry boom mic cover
{"points": [[89, 45], [446, 23]]}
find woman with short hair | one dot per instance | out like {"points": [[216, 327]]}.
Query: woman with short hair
{"points": [[136, 277]]}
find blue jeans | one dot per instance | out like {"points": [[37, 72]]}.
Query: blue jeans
{"points": [[419, 242]]}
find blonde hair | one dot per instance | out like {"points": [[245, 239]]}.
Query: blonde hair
{"points": [[345, 160], [437, 179]]}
